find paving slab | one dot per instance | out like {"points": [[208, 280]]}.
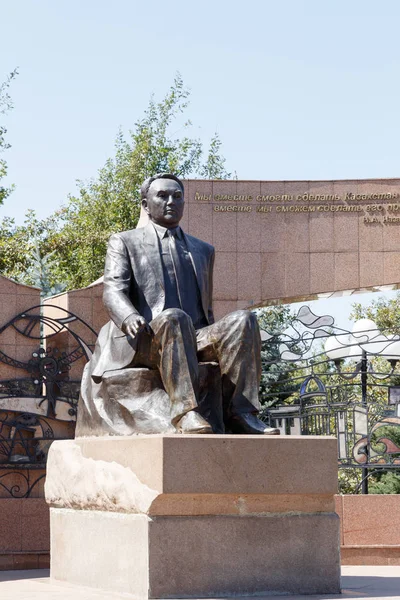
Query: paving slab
{"points": [[358, 582]]}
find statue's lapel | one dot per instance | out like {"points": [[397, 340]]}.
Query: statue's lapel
{"points": [[200, 267], [152, 250], [197, 261]]}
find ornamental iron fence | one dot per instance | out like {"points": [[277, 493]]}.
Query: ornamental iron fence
{"points": [[323, 380], [38, 398]]}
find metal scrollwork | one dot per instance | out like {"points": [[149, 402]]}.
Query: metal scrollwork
{"points": [[41, 404], [325, 380]]}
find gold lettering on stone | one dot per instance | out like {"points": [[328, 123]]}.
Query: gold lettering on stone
{"points": [[232, 198], [374, 196], [202, 197], [391, 220], [317, 197], [231, 208], [296, 209], [275, 198]]}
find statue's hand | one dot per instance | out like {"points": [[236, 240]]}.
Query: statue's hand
{"points": [[134, 324]]}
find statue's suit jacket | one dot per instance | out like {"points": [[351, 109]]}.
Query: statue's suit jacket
{"points": [[134, 283]]}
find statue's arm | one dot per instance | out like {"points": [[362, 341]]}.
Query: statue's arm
{"points": [[117, 282], [210, 287]]}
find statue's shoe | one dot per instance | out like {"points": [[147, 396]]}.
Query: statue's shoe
{"points": [[250, 424], [192, 422]]}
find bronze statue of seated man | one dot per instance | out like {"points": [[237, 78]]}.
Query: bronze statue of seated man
{"points": [[158, 293]]}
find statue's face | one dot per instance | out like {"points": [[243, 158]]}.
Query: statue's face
{"points": [[164, 203]]}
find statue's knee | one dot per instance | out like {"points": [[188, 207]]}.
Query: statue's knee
{"points": [[244, 319], [174, 316]]}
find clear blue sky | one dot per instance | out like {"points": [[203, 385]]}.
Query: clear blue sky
{"points": [[304, 89], [297, 89]]}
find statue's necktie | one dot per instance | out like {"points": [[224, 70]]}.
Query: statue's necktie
{"points": [[180, 267]]}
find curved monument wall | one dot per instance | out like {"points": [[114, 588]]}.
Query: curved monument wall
{"points": [[283, 241], [291, 240], [14, 299]]}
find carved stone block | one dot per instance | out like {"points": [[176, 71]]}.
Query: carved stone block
{"points": [[195, 516]]}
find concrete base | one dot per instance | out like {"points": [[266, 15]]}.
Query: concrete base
{"points": [[224, 530]]}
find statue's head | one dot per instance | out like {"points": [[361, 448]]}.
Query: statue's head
{"points": [[163, 199]]}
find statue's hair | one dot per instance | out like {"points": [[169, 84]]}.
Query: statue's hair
{"points": [[144, 190]]}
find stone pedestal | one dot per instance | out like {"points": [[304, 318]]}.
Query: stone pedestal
{"points": [[195, 516]]}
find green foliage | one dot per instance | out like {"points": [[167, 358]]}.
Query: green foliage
{"points": [[18, 244], [77, 234], [384, 482], [39, 273], [214, 167], [273, 389], [349, 481], [383, 311], [5, 106]]}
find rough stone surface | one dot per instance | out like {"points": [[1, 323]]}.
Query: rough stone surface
{"points": [[220, 464], [100, 550], [196, 556], [369, 535], [219, 515], [74, 481], [225, 556]]}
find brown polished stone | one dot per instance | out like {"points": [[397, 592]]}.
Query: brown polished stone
{"points": [[379, 512], [339, 512], [320, 187], [322, 272], [224, 307], [391, 234], [11, 527], [341, 187], [272, 188], [224, 231], [273, 275], [391, 267], [296, 188], [273, 228], [370, 236], [35, 523], [200, 221], [347, 271], [225, 276], [371, 268], [8, 306], [297, 274], [345, 226], [322, 235], [297, 233], [249, 224], [203, 187], [249, 277]]}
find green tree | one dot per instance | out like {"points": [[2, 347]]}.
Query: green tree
{"points": [[77, 234], [19, 243], [39, 273], [214, 167], [384, 482], [274, 386], [5, 106], [385, 312]]}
